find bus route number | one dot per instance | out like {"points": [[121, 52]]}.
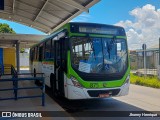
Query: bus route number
{"points": [[93, 85]]}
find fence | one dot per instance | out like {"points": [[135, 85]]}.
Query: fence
{"points": [[137, 61], [9, 74]]}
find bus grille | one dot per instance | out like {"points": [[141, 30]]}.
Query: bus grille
{"points": [[95, 93]]}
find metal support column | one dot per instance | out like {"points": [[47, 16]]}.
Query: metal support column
{"points": [[144, 59], [159, 52], [17, 57], [158, 68]]}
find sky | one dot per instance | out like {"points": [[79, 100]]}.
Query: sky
{"points": [[140, 18]]}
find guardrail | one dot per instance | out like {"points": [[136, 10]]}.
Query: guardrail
{"points": [[9, 71]]}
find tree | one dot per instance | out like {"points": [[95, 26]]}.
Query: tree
{"points": [[5, 28], [22, 50]]}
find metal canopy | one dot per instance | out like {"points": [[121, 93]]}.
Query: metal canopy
{"points": [[44, 15], [25, 40]]}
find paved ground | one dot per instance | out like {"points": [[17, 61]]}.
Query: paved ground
{"points": [[143, 97], [139, 99], [28, 104]]}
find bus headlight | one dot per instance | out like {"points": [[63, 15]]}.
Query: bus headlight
{"points": [[75, 82], [127, 80]]}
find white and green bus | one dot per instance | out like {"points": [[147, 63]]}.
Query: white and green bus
{"points": [[84, 60]]}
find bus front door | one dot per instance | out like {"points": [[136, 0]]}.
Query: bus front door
{"points": [[59, 73]]}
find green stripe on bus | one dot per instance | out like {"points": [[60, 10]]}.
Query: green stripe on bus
{"points": [[77, 34], [95, 35]]}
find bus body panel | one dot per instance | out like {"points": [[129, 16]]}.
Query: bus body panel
{"points": [[65, 86], [47, 69], [82, 93]]}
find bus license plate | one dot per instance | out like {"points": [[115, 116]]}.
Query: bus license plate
{"points": [[103, 95]]}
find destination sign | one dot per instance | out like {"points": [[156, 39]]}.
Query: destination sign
{"points": [[93, 28], [99, 30]]}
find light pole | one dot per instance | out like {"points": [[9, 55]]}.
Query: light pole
{"points": [[159, 62], [144, 54]]}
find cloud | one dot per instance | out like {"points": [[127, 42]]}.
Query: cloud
{"points": [[145, 28], [84, 17]]}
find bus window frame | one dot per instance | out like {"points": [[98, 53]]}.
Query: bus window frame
{"points": [[32, 54], [48, 48], [52, 39], [61, 49], [96, 77], [40, 56], [52, 49]]}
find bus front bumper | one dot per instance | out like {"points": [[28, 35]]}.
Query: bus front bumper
{"points": [[84, 93]]}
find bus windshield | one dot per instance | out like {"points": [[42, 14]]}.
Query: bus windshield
{"points": [[99, 55]]}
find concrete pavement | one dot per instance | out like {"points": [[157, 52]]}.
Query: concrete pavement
{"points": [[143, 97]]}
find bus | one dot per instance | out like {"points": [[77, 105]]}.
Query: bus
{"points": [[84, 61]]}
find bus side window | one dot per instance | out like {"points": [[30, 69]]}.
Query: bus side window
{"points": [[37, 56], [32, 54], [35, 53], [47, 50], [52, 49], [41, 52], [64, 48]]}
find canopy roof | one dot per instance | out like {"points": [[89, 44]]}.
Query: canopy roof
{"points": [[44, 15], [25, 40]]}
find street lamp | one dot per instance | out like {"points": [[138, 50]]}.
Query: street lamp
{"points": [[144, 46]]}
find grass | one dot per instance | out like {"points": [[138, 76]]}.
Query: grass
{"points": [[147, 81]]}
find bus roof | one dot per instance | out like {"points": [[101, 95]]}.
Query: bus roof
{"points": [[79, 24], [94, 24]]}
